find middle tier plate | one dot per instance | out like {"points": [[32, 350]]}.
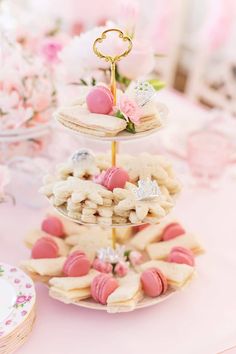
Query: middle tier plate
{"points": [[62, 212], [97, 196]]}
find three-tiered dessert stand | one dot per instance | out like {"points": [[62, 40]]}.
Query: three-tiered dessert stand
{"points": [[123, 136]]}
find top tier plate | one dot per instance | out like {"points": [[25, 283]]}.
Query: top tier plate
{"points": [[122, 136]]}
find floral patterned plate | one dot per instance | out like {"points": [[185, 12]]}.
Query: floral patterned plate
{"points": [[17, 298]]}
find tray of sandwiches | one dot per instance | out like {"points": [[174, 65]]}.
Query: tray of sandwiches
{"points": [[93, 114], [79, 265]]}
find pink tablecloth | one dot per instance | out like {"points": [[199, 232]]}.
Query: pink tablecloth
{"points": [[199, 320]]}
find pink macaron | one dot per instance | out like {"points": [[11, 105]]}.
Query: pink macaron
{"points": [[100, 100], [115, 177], [45, 247], [53, 226], [76, 264], [172, 230], [181, 255], [154, 283], [102, 286], [140, 227]]}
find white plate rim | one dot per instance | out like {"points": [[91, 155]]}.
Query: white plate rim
{"points": [[62, 212], [145, 302]]}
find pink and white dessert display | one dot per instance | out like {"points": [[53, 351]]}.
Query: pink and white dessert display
{"points": [[105, 264]]}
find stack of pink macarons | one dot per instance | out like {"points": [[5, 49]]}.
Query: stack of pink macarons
{"points": [[154, 283], [102, 286], [76, 264], [181, 255]]}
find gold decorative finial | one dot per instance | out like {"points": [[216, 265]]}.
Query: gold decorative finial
{"points": [[111, 59]]}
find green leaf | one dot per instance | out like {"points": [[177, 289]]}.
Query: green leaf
{"points": [[120, 115], [157, 84], [130, 127], [127, 253], [93, 81], [83, 82]]}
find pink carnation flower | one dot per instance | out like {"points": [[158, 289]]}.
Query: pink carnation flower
{"points": [[50, 50], [103, 267], [121, 269], [135, 258], [129, 108]]}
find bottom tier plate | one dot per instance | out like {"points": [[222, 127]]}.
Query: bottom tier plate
{"points": [[145, 302], [63, 213]]}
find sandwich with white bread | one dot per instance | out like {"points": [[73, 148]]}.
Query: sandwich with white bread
{"points": [[128, 294], [178, 275], [69, 289]]}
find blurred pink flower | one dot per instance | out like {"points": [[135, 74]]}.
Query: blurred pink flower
{"points": [[40, 101], [129, 108], [135, 258], [121, 269], [50, 50], [219, 25], [4, 178], [103, 267], [26, 88], [77, 28], [8, 100], [139, 62], [128, 16], [77, 57]]}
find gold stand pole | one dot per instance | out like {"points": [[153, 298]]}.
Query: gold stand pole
{"points": [[113, 153], [113, 237], [113, 81], [113, 60], [114, 143], [113, 160]]}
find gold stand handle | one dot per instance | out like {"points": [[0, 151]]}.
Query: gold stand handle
{"points": [[111, 59]]}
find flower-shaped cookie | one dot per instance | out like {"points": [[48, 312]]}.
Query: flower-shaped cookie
{"points": [[81, 164], [80, 190], [139, 210]]}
